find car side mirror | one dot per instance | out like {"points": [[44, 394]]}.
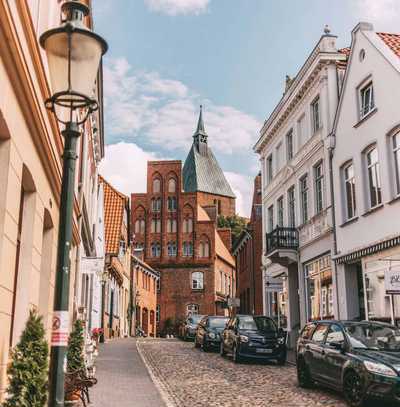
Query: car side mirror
{"points": [[337, 345]]}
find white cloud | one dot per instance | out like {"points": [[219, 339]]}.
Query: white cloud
{"points": [[242, 186], [164, 112], [175, 7]]}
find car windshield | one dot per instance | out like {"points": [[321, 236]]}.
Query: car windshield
{"points": [[373, 336], [257, 324], [218, 322], [195, 319]]}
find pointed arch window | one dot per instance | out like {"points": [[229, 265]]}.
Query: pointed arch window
{"points": [[204, 249], [171, 249], [156, 204], [156, 186], [171, 226], [172, 186], [187, 249], [140, 226], [155, 249], [187, 225], [171, 204]]}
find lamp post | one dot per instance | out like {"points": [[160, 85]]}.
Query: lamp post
{"points": [[73, 54], [103, 279]]}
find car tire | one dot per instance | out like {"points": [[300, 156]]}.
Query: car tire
{"points": [[303, 374], [222, 349], [236, 357], [281, 360], [354, 389]]}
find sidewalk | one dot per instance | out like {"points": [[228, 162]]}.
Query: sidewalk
{"points": [[123, 380]]}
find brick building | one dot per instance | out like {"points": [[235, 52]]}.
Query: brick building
{"points": [[175, 222], [248, 253]]}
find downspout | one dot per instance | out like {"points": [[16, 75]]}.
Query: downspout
{"points": [[253, 270]]}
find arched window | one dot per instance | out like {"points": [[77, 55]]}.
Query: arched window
{"points": [[156, 186], [140, 226], [156, 226], [171, 186], [156, 204], [171, 249], [197, 280], [204, 249], [171, 226], [187, 225], [172, 204], [137, 226], [187, 249], [155, 249]]}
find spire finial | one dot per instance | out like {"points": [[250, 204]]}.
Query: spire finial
{"points": [[200, 124], [200, 135]]}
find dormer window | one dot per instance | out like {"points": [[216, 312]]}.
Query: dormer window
{"points": [[367, 101]]}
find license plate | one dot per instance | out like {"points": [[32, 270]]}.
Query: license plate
{"points": [[264, 350]]}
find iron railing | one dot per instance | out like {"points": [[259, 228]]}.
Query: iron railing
{"points": [[282, 238]]}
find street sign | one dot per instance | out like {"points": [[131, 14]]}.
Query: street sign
{"points": [[392, 281], [234, 302]]}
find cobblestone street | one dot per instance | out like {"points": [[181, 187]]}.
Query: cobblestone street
{"points": [[192, 377]]}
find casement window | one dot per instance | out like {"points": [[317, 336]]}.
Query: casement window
{"points": [[171, 186], [396, 156], [155, 226], [289, 145], [301, 131], [187, 225], [315, 115], [197, 280], [171, 248], [291, 207], [319, 187], [304, 198], [350, 190], [156, 186], [171, 226], [171, 202], [373, 175], [155, 249], [156, 204], [271, 218], [367, 102], [279, 205], [270, 169], [204, 249], [187, 249], [192, 309]]}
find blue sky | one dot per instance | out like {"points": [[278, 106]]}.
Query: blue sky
{"points": [[168, 56]]}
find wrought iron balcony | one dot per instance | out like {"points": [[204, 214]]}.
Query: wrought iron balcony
{"points": [[282, 239]]}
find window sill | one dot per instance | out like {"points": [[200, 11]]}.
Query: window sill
{"points": [[197, 289], [372, 210], [395, 199], [349, 221], [364, 118]]}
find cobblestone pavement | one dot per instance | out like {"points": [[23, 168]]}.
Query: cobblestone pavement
{"points": [[123, 380], [192, 378]]}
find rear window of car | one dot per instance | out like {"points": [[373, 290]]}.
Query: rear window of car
{"points": [[308, 331], [319, 333]]}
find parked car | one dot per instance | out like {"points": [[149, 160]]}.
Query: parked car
{"points": [[208, 332], [253, 337], [187, 330], [361, 359]]}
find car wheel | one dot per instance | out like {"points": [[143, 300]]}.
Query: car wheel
{"points": [[282, 359], [222, 349], [353, 389], [236, 356], [303, 374]]}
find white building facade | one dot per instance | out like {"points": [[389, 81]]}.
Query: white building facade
{"points": [[366, 176], [296, 198]]}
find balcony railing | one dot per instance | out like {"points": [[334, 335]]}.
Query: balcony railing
{"points": [[282, 238]]}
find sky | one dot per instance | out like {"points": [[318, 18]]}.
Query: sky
{"points": [[166, 57]]}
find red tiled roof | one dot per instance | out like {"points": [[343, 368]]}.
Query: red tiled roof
{"points": [[343, 64], [114, 204], [392, 41]]}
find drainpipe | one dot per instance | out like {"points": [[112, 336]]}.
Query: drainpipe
{"points": [[332, 191]]}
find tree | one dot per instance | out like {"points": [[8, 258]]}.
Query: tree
{"points": [[28, 372], [235, 222], [76, 342]]}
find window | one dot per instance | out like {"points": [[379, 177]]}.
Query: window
{"points": [[289, 145], [280, 211], [270, 169], [122, 249], [396, 153], [197, 280], [171, 204], [140, 226], [171, 249], [315, 115], [291, 207], [204, 249], [350, 190], [171, 226], [319, 187], [319, 333], [156, 226], [366, 100], [308, 331], [171, 186], [157, 313], [156, 204], [187, 225], [279, 157], [304, 198], [301, 131], [271, 218], [374, 181], [187, 249], [335, 334], [156, 186], [192, 309], [155, 249]]}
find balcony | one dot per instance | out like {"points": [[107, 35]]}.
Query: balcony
{"points": [[282, 245]]}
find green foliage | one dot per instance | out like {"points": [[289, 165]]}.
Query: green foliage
{"points": [[28, 372], [76, 343], [236, 223]]}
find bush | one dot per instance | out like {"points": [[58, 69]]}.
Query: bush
{"points": [[28, 372], [76, 343]]}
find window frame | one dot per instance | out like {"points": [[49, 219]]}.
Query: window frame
{"points": [[270, 219], [291, 198], [289, 151], [154, 189], [362, 89], [199, 281], [280, 211], [316, 116], [395, 152], [304, 201], [373, 172], [270, 168], [319, 186], [352, 182]]}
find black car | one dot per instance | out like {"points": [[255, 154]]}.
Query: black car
{"points": [[187, 330], [361, 359], [208, 332], [253, 337]]}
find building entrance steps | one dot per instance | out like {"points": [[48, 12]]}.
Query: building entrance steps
{"points": [[123, 379]]}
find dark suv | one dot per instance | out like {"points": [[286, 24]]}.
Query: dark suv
{"points": [[361, 359], [208, 332], [253, 337]]}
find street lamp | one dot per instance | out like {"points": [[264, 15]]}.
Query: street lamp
{"points": [[103, 276], [73, 54]]}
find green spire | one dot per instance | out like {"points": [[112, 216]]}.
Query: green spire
{"points": [[200, 136], [200, 125]]}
